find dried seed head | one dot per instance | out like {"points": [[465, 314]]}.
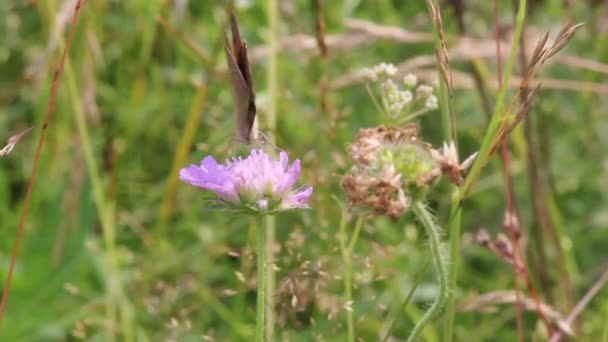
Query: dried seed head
{"points": [[447, 158], [369, 141], [390, 163], [12, 141], [504, 245], [383, 194], [483, 238], [510, 220]]}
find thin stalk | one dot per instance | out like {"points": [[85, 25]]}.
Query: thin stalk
{"points": [[509, 192], [582, 304], [454, 227], [373, 97], [187, 140], [271, 115], [105, 210], [441, 266], [30, 186], [355, 236], [495, 122], [270, 231], [454, 224], [273, 64], [347, 263], [260, 325], [417, 281]]}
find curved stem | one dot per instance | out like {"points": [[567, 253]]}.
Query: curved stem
{"points": [[441, 265], [260, 304]]}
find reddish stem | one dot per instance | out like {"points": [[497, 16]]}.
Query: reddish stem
{"points": [[30, 187], [504, 151]]}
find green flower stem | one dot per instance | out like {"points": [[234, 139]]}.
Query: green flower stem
{"points": [[497, 116], [409, 296], [347, 252], [270, 226], [115, 297], [455, 225], [455, 213], [271, 116], [261, 303], [348, 295], [455, 222], [441, 265]]}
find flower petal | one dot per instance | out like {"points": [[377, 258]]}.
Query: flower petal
{"points": [[210, 176], [284, 159], [289, 178], [299, 199]]}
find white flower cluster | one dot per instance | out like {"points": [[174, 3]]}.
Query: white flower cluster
{"points": [[401, 102], [380, 72], [431, 102], [394, 98], [426, 92], [410, 80]]}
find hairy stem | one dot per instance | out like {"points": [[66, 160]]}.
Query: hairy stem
{"points": [[441, 266]]}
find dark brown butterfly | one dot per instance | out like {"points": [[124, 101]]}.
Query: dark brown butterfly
{"points": [[242, 86]]}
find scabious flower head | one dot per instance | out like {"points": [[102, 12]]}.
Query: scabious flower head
{"points": [[257, 183]]}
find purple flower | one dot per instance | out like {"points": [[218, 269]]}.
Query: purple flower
{"points": [[257, 182]]}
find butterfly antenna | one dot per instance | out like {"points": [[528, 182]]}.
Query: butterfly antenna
{"points": [[266, 139]]}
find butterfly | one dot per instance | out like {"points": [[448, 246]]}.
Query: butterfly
{"points": [[242, 86]]}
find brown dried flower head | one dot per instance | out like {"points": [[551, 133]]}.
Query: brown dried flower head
{"points": [[370, 141], [383, 193], [447, 158], [389, 163]]}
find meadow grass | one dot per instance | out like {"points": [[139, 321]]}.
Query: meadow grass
{"points": [[114, 247]]}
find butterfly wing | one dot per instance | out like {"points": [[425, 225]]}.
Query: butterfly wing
{"points": [[242, 87]]}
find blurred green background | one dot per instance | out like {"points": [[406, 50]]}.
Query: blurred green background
{"points": [[178, 272]]}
